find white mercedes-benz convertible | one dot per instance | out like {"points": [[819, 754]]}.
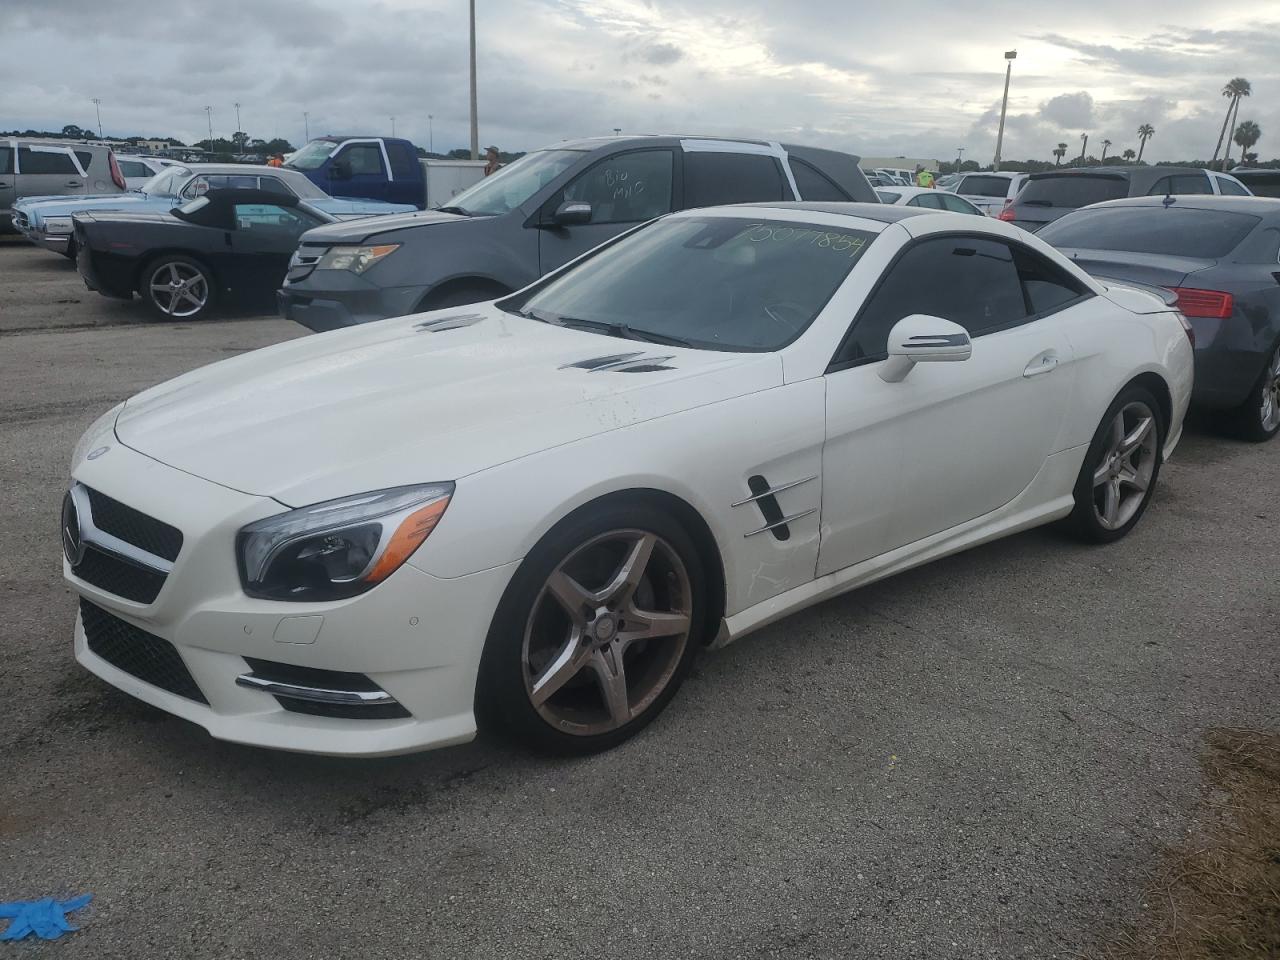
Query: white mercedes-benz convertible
{"points": [[536, 511]]}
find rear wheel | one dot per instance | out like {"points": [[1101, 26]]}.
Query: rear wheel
{"points": [[178, 288], [1120, 470], [596, 631], [1258, 418]]}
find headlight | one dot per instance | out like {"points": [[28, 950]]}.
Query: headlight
{"points": [[339, 548], [355, 259], [57, 225]]}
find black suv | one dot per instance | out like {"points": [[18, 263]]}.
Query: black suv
{"points": [[1048, 196], [539, 213]]}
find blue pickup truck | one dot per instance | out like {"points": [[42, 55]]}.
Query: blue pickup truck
{"points": [[382, 168]]}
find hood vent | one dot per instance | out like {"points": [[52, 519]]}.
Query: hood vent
{"points": [[636, 362], [454, 322]]}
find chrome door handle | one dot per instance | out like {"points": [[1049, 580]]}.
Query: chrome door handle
{"points": [[73, 183], [1045, 363]]}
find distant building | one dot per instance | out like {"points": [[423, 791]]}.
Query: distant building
{"points": [[154, 146]]}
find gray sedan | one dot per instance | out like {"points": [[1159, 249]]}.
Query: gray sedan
{"points": [[1219, 257]]}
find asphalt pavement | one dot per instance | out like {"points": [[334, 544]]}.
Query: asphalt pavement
{"points": [[981, 758]]}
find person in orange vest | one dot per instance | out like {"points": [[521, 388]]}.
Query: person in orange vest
{"points": [[277, 160]]}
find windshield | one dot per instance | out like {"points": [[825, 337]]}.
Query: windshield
{"points": [[312, 155], [1202, 234], [721, 283], [1072, 190], [513, 185], [166, 182]]}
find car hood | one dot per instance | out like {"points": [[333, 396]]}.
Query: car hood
{"points": [[66, 206], [355, 231], [427, 397]]}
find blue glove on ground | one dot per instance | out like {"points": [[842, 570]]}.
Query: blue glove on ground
{"points": [[46, 918]]}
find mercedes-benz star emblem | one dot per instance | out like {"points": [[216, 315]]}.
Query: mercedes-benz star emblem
{"points": [[72, 545]]}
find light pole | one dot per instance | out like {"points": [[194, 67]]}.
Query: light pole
{"points": [[431, 135], [306, 125], [237, 116], [393, 125], [617, 131], [1084, 144], [1010, 56], [959, 158], [475, 122], [208, 112], [97, 109]]}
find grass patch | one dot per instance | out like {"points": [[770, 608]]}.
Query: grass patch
{"points": [[1218, 898]]}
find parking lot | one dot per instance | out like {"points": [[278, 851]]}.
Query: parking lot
{"points": [[985, 757]]}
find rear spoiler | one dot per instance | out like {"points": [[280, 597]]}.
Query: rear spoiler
{"points": [[1116, 283]]}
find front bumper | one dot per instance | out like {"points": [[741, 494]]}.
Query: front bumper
{"points": [[417, 637], [348, 301], [57, 242]]}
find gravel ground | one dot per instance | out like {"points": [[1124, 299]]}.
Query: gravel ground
{"points": [[980, 758]]}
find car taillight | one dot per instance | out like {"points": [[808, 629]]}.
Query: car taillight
{"points": [[1212, 304], [116, 176], [1006, 212]]}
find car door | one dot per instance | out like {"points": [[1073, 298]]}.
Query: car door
{"points": [[358, 170], [8, 191], [47, 171], [624, 189], [952, 441], [264, 238]]}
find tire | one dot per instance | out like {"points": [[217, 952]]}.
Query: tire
{"points": [[462, 296], [1114, 488], [1258, 418], [161, 288], [578, 707]]}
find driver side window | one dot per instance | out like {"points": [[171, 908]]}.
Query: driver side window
{"points": [[970, 281], [628, 188]]}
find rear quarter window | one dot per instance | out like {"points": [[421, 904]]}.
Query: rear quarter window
{"points": [[813, 184], [715, 178], [86, 161], [1072, 190], [1200, 234]]}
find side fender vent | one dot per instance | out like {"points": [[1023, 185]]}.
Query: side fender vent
{"points": [[764, 496]]}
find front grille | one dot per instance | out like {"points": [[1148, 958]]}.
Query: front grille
{"points": [[134, 526], [124, 579], [345, 711], [136, 652]]}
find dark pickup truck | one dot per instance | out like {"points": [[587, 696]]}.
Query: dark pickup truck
{"points": [[382, 168]]}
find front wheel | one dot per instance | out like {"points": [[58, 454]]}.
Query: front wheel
{"points": [[178, 288], [1119, 473], [596, 631], [1258, 418]]}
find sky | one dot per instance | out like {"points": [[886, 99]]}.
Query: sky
{"points": [[920, 79]]}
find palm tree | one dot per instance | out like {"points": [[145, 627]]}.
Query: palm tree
{"points": [[1236, 88], [1145, 133], [1128, 154], [1084, 144], [1247, 134], [1105, 144], [1059, 153]]}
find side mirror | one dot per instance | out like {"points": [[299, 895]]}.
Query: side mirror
{"points": [[921, 338], [572, 213]]}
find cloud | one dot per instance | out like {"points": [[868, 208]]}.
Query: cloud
{"points": [[1069, 110]]}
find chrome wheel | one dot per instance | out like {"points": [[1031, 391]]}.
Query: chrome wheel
{"points": [[179, 289], [607, 632], [1270, 412], [1123, 476]]}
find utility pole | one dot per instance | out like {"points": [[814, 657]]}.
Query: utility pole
{"points": [[238, 128], [306, 125], [959, 158], [208, 112], [1084, 144], [431, 134], [1010, 56], [475, 122], [393, 125], [97, 105]]}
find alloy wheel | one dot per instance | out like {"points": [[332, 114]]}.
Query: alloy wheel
{"points": [[179, 289], [607, 632], [1269, 415], [1123, 475]]}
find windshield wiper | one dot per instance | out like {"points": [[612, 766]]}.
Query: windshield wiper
{"points": [[611, 329], [458, 210]]}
